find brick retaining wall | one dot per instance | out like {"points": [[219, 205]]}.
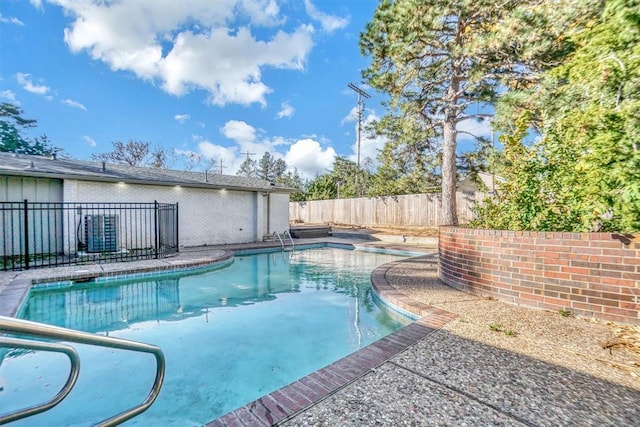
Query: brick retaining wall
{"points": [[590, 274]]}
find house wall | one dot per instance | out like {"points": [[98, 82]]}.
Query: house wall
{"points": [[590, 274], [279, 215], [17, 188], [205, 216]]}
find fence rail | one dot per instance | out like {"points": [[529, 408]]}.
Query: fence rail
{"points": [[38, 234]]}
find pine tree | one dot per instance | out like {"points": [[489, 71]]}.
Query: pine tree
{"points": [[437, 58]]}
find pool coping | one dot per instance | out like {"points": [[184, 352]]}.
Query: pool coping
{"points": [[13, 295], [300, 395]]}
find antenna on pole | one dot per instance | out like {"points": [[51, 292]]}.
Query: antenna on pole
{"points": [[361, 94]]}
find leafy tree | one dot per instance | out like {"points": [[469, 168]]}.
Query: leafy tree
{"points": [[12, 126], [270, 168], [248, 168], [135, 153], [436, 58], [344, 178], [405, 168], [340, 182], [323, 187], [293, 180], [521, 201], [583, 173], [593, 138]]}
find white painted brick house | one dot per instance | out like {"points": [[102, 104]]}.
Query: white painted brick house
{"points": [[213, 209]]}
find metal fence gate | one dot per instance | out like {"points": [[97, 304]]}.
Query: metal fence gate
{"points": [[38, 234]]}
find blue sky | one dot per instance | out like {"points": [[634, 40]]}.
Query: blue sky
{"points": [[215, 78]]}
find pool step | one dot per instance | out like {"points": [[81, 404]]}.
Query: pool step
{"points": [[302, 232]]}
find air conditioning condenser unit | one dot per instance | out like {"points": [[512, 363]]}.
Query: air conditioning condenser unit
{"points": [[101, 233]]}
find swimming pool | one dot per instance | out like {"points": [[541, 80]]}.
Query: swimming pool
{"points": [[230, 335]]}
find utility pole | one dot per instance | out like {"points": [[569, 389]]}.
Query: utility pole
{"points": [[361, 94], [221, 166], [249, 154]]}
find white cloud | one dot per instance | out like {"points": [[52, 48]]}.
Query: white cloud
{"points": [[328, 22], [189, 45], [219, 158], [90, 141], [262, 12], [351, 116], [7, 94], [307, 155], [181, 118], [239, 131], [29, 86], [370, 145], [74, 104], [310, 158], [248, 140], [286, 110], [468, 129], [12, 20]]}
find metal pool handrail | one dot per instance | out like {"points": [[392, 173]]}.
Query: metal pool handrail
{"points": [[74, 359], [275, 233], [25, 327], [287, 233]]}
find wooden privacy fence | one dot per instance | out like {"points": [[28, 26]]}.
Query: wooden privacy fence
{"points": [[418, 210]]}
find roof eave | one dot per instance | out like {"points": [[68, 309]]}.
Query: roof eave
{"points": [[164, 183]]}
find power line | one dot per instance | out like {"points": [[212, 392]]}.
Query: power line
{"points": [[361, 94]]}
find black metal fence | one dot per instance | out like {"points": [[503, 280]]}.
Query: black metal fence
{"points": [[38, 234]]}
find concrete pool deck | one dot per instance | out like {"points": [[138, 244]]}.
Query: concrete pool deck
{"points": [[467, 361]]}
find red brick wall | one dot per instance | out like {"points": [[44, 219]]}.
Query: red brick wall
{"points": [[590, 274]]}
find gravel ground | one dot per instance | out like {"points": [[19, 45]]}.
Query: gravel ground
{"points": [[568, 341], [496, 364]]}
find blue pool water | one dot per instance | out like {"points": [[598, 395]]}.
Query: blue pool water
{"points": [[229, 336]]}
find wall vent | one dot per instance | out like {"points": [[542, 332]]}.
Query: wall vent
{"points": [[101, 233]]}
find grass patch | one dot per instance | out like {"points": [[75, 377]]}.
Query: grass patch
{"points": [[497, 327], [565, 312]]}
